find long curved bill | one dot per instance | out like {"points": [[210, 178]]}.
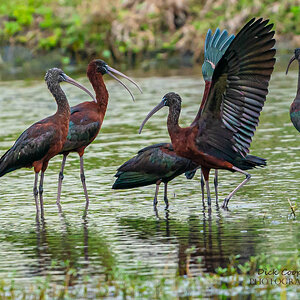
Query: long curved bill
{"points": [[292, 59], [151, 113], [79, 85], [112, 70]]}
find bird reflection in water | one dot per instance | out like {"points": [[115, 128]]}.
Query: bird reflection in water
{"points": [[62, 250], [203, 244], [61, 257]]}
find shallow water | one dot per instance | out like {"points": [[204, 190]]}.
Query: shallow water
{"points": [[121, 228]]}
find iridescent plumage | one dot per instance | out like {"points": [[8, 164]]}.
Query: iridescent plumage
{"points": [[143, 169]]}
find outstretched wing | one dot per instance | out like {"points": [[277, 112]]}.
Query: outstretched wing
{"points": [[32, 145], [214, 48], [238, 92]]}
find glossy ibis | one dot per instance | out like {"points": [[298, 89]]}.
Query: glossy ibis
{"points": [[159, 163], [44, 139], [230, 115], [153, 165], [295, 106], [87, 117]]}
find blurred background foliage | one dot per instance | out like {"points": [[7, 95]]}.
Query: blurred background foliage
{"points": [[130, 31]]}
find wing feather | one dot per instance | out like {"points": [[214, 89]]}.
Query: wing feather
{"points": [[32, 145], [80, 135], [153, 163], [215, 46], [238, 92]]}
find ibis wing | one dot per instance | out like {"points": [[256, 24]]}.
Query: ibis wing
{"points": [[153, 163], [215, 47], [32, 145], [83, 127], [80, 135], [238, 92], [158, 159], [166, 146]]}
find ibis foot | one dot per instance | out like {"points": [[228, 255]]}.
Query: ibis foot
{"points": [[225, 203]]}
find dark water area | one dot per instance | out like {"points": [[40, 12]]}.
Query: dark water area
{"points": [[120, 228], [21, 63]]}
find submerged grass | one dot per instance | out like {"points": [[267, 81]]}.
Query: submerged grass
{"points": [[260, 275]]}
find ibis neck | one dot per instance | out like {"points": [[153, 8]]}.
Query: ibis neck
{"points": [[204, 98], [63, 107], [298, 89], [99, 87], [173, 118]]}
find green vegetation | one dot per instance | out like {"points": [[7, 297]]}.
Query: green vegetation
{"points": [[130, 31], [235, 279]]}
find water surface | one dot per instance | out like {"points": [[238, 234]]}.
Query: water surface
{"points": [[121, 228]]}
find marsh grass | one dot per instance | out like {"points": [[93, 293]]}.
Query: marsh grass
{"points": [[233, 280]]}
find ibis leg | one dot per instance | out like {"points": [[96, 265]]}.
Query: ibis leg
{"points": [[248, 176], [166, 195], [216, 184], [208, 193], [156, 193], [35, 192], [205, 172], [82, 176], [156, 212], [202, 186], [60, 178], [41, 190]]}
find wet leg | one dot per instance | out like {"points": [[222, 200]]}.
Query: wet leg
{"points": [[35, 193], [166, 196], [41, 190], [202, 187], [216, 184], [156, 193], [206, 177], [248, 176], [82, 176], [208, 193], [60, 178]]}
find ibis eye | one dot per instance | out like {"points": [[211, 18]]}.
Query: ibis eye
{"points": [[62, 77], [102, 69]]}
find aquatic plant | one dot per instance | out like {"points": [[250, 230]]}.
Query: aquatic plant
{"points": [[248, 278]]}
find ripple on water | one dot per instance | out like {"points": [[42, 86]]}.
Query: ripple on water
{"points": [[121, 228]]}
